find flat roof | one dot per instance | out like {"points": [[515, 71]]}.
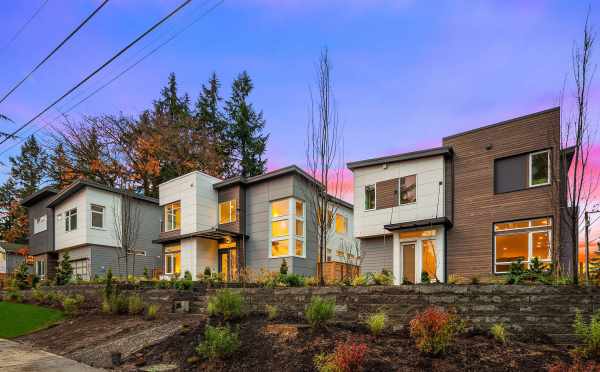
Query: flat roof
{"points": [[80, 184], [420, 223], [436, 151]]}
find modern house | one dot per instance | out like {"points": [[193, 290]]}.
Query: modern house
{"points": [[486, 198], [12, 255], [244, 223], [86, 220]]}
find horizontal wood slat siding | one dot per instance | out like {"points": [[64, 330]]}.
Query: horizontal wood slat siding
{"points": [[386, 194], [477, 207], [227, 194]]}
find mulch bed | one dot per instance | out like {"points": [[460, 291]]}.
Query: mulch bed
{"points": [[289, 346]]}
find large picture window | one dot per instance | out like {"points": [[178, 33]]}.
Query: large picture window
{"points": [[173, 216], [408, 189], [172, 259], [287, 228], [81, 269], [227, 212], [523, 240], [71, 219], [369, 197], [539, 168]]}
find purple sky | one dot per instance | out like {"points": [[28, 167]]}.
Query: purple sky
{"points": [[412, 71]]}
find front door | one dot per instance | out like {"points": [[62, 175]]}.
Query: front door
{"points": [[408, 262], [228, 265]]}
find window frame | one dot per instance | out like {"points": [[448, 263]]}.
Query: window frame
{"points": [[292, 237], [92, 205], [169, 211], [530, 170], [374, 197], [40, 273], [37, 224], [232, 213], [400, 190], [345, 218], [522, 230], [68, 216]]}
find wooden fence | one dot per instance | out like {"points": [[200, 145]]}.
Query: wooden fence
{"points": [[337, 271]]}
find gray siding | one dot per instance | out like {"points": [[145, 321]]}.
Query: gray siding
{"points": [[104, 258], [308, 265], [41, 242], [377, 254], [149, 230]]}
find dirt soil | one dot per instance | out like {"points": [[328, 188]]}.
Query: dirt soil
{"points": [[286, 346]]}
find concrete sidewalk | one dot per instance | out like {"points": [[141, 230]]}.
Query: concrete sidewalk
{"points": [[16, 357]]}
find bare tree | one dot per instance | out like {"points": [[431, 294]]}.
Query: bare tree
{"points": [[323, 159], [127, 218], [577, 136]]}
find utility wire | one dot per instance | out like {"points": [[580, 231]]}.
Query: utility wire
{"points": [[130, 67], [20, 30], [96, 71], [54, 50]]}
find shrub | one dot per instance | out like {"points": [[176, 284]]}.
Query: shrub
{"points": [[475, 279], [187, 276], [207, 272], [499, 332], [71, 304], [152, 311], [227, 304], [135, 305], [108, 285], [283, 269], [291, 280], [64, 271], [383, 278], [21, 276], [118, 304], [146, 273], [13, 295], [588, 334], [105, 306], [311, 281], [425, 279], [183, 284], [55, 297], [347, 357], [272, 311], [39, 296], [219, 342], [434, 330], [376, 322], [319, 311], [454, 279], [360, 280]]}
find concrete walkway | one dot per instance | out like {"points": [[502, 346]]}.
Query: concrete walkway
{"points": [[16, 357]]}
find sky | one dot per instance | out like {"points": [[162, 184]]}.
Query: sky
{"points": [[415, 71]]}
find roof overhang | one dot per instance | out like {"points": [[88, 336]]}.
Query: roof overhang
{"points": [[430, 222], [437, 151], [81, 184], [39, 195], [212, 234]]}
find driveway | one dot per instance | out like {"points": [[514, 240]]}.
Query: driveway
{"points": [[16, 357]]}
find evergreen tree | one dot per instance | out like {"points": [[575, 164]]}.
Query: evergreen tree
{"points": [[60, 169], [29, 168], [64, 271], [245, 130]]}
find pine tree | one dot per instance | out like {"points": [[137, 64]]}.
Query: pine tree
{"points": [[64, 271], [60, 169], [245, 130], [29, 168]]}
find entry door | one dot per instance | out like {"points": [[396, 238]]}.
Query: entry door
{"points": [[228, 264], [408, 262]]}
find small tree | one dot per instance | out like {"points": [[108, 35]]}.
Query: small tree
{"points": [[64, 272], [127, 228], [283, 269], [21, 276]]}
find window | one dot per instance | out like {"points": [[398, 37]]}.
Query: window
{"points": [[341, 224], [71, 220], [369, 197], [80, 269], [408, 189], [429, 262], [97, 212], [227, 211], [40, 224], [539, 168], [417, 234], [173, 216], [522, 240], [287, 229], [172, 259], [40, 269]]}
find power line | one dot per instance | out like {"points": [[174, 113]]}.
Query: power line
{"points": [[20, 30], [109, 61], [54, 50], [130, 67]]}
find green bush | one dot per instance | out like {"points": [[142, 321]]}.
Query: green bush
{"points": [[183, 284], [108, 285], [499, 332], [13, 295], [383, 278], [219, 342], [227, 304], [163, 284], [187, 275], [319, 311], [152, 311], [118, 304], [55, 298], [22, 276], [292, 280], [135, 305], [283, 269], [146, 273], [39, 296], [360, 280], [588, 334], [71, 304], [425, 279], [376, 322], [272, 311], [64, 271]]}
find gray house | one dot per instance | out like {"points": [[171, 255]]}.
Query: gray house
{"points": [[252, 223], [12, 255]]}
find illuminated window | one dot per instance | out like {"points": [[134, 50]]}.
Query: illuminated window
{"points": [[227, 212], [522, 240], [408, 189], [287, 230], [172, 259], [341, 224], [428, 258], [417, 234], [539, 168], [369, 197], [173, 216]]}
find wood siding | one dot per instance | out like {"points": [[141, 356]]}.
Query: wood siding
{"points": [[386, 193], [476, 207], [233, 193]]}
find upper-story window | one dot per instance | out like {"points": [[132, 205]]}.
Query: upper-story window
{"points": [[287, 228], [97, 216], [40, 224], [539, 168], [341, 223], [71, 219], [227, 211], [369, 197], [408, 189], [173, 216]]}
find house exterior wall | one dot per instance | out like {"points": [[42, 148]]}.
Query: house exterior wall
{"points": [[41, 242], [477, 207], [65, 239], [430, 195], [377, 254]]}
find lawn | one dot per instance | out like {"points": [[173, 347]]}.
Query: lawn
{"points": [[21, 319]]}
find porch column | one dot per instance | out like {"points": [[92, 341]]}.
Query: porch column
{"points": [[396, 262]]}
